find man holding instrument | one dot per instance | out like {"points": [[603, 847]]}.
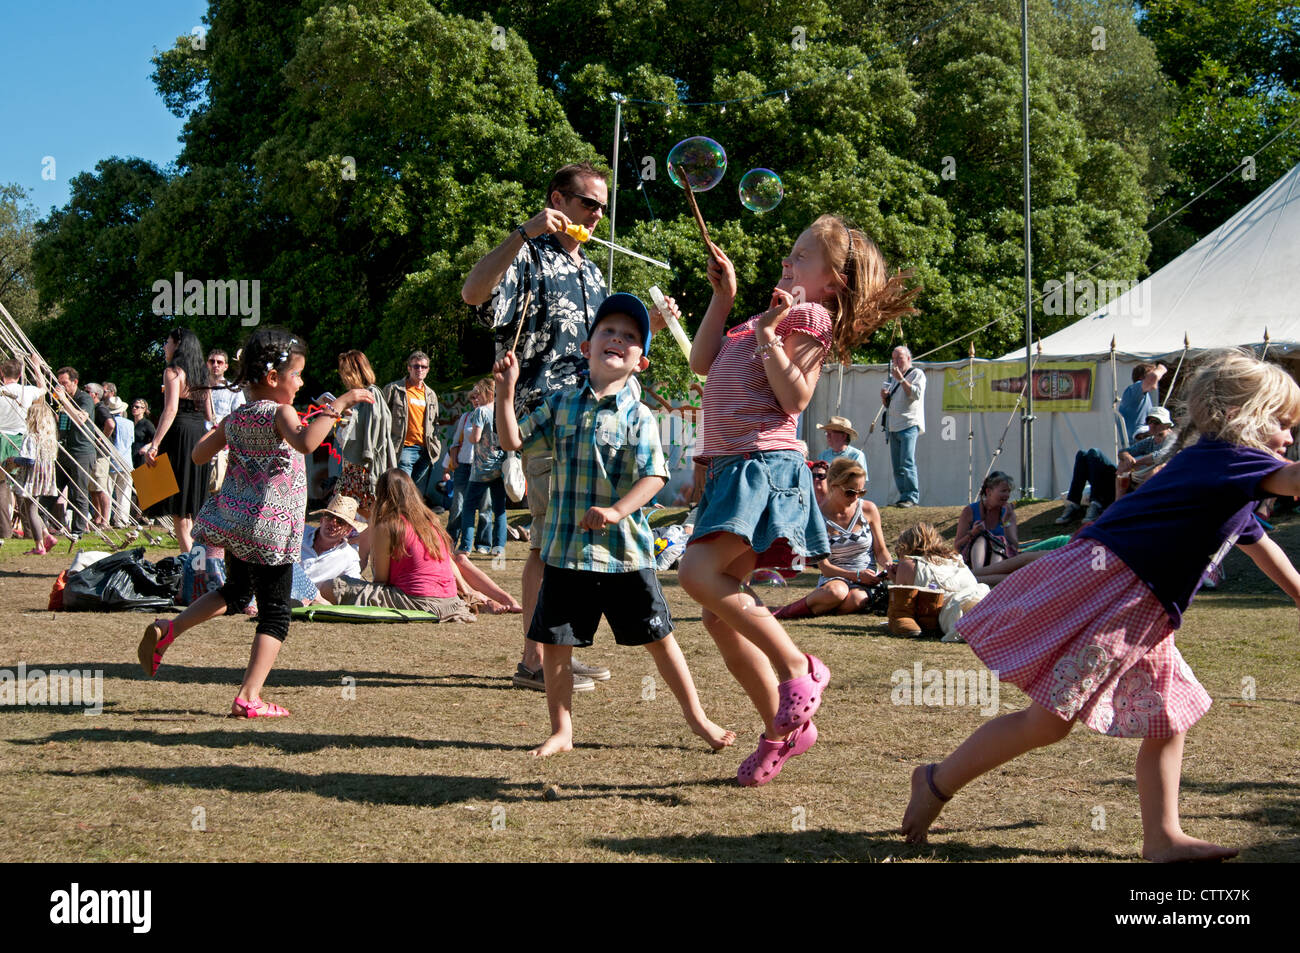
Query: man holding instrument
{"points": [[540, 271], [540, 294]]}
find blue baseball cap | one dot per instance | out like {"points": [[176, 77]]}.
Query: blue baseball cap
{"points": [[633, 307]]}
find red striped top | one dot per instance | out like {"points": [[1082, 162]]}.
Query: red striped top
{"points": [[741, 413]]}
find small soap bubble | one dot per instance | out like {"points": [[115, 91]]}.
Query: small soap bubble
{"points": [[761, 190], [766, 577], [698, 160]]}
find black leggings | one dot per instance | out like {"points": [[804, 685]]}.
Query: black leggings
{"points": [[271, 584]]}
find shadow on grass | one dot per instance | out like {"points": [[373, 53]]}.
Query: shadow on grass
{"points": [[288, 742], [428, 790], [296, 677], [821, 845]]}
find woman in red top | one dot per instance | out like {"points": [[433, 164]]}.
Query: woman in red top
{"points": [[758, 507], [410, 559]]}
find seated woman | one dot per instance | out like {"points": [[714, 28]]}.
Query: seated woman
{"points": [[986, 530], [410, 559], [927, 562], [858, 557]]}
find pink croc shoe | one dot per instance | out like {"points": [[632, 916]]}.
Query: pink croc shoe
{"points": [[766, 763], [801, 697], [256, 709]]}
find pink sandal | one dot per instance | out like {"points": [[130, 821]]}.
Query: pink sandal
{"points": [[766, 763], [154, 644], [801, 697], [256, 709]]}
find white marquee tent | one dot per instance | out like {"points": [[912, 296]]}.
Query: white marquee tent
{"points": [[1224, 291]]}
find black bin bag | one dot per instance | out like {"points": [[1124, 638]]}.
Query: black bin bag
{"points": [[122, 581]]}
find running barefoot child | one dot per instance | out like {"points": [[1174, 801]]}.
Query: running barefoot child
{"points": [[259, 513], [758, 507], [1104, 652], [597, 545]]}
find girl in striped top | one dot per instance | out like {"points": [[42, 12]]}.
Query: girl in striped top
{"points": [[757, 508]]}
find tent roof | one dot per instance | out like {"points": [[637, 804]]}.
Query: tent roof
{"points": [[1222, 292]]}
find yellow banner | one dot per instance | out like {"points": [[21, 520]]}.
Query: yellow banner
{"points": [[1059, 386]]}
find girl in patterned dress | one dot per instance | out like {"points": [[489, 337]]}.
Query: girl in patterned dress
{"points": [[1103, 652], [758, 507], [259, 513]]}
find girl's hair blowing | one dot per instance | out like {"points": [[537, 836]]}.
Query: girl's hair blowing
{"points": [[1237, 398], [868, 297]]}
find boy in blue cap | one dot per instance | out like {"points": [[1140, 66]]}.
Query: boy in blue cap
{"points": [[597, 546]]}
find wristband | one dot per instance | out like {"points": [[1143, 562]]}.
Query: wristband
{"points": [[522, 234]]}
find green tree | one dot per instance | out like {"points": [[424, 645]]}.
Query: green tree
{"points": [[17, 233], [1235, 65], [86, 267]]}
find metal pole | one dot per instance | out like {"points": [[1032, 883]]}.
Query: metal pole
{"points": [[613, 192], [1027, 415]]}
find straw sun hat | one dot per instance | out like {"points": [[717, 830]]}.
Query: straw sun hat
{"points": [[344, 508], [842, 424]]}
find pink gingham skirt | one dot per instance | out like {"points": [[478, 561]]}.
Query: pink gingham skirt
{"points": [[1083, 636]]}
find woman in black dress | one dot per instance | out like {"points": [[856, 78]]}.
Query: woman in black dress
{"points": [[187, 406]]}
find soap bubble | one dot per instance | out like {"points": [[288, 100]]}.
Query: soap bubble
{"points": [[766, 577], [761, 190], [698, 160]]}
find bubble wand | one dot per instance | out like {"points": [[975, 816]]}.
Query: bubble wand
{"points": [[582, 234]]}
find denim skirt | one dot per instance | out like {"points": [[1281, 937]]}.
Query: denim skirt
{"points": [[766, 498]]}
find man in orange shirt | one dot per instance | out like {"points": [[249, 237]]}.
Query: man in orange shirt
{"points": [[414, 409]]}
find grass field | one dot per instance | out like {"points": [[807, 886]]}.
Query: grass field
{"points": [[429, 760]]}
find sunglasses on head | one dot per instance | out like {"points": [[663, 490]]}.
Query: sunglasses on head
{"points": [[589, 204]]}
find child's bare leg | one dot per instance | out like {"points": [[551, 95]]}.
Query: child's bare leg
{"points": [[711, 573], [672, 666], [748, 666], [557, 661], [993, 743], [266, 648], [1159, 770], [205, 607]]}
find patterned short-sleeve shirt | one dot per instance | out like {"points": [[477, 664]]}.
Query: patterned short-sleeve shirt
{"points": [[601, 447], [566, 294]]}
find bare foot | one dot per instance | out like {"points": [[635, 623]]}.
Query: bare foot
{"points": [[1180, 847], [554, 744], [717, 736], [922, 809]]}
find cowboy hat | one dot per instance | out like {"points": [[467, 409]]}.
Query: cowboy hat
{"points": [[343, 508], [842, 424]]}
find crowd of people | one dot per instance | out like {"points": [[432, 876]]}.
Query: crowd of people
{"points": [[564, 393]]}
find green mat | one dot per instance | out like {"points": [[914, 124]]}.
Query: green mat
{"points": [[361, 614]]}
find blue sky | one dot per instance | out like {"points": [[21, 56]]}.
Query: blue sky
{"points": [[74, 85]]}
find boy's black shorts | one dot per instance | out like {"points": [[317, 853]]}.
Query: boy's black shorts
{"points": [[572, 601]]}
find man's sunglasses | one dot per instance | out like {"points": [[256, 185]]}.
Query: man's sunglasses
{"points": [[589, 204]]}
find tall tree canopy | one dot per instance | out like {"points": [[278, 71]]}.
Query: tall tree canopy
{"points": [[358, 158]]}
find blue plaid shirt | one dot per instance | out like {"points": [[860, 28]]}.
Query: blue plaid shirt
{"points": [[601, 448]]}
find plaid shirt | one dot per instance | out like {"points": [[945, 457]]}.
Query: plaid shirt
{"points": [[602, 446]]}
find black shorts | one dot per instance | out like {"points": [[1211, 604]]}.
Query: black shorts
{"points": [[571, 602]]}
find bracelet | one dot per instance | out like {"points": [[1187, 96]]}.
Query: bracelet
{"points": [[522, 234], [763, 350]]}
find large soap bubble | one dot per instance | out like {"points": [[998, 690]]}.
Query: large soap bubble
{"points": [[697, 160], [761, 190]]}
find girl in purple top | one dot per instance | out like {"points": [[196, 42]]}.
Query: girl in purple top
{"points": [[1104, 652]]}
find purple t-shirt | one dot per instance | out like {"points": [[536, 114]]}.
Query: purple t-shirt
{"points": [[1168, 530]]}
